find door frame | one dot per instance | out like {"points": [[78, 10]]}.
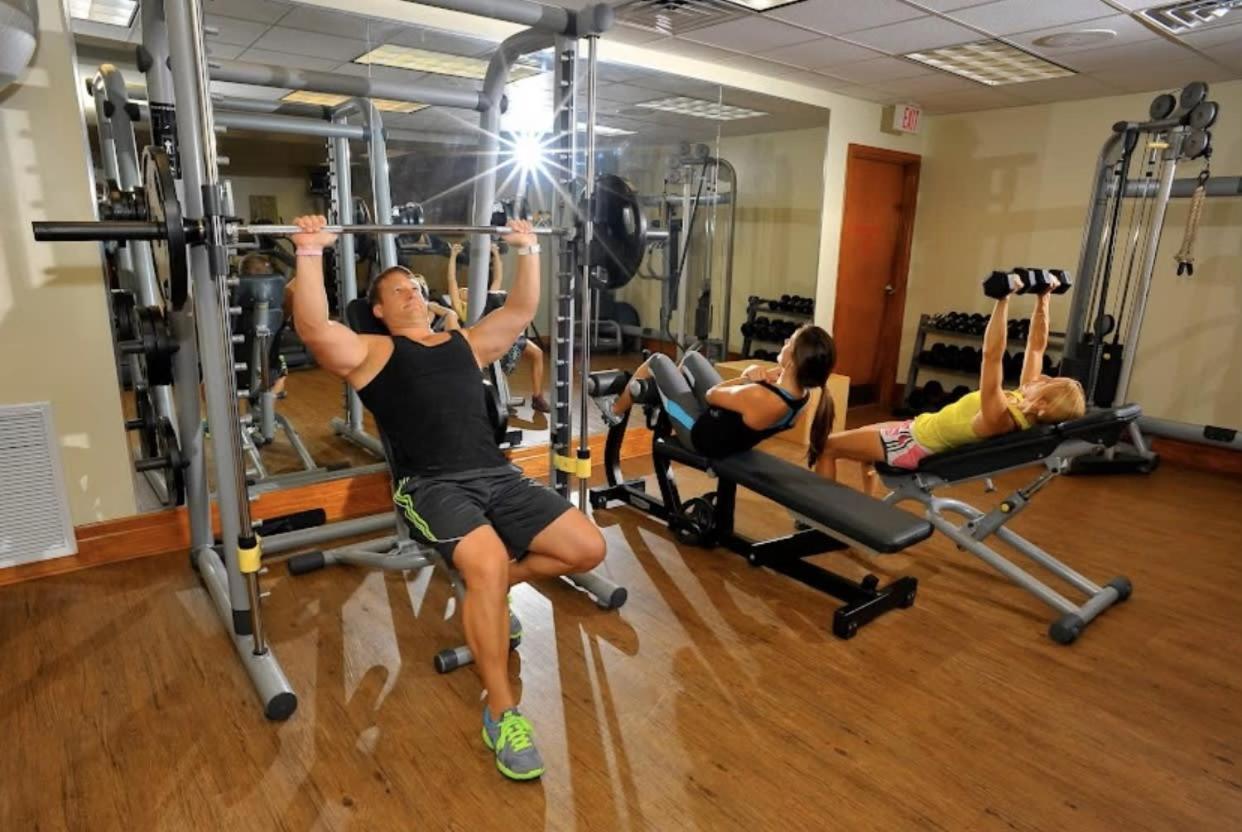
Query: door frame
{"points": [[894, 308]]}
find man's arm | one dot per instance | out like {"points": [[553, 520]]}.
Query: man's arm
{"points": [[338, 349], [492, 336], [1037, 341], [498, 270]]}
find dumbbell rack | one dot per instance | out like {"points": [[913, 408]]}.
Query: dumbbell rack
{"points": [[928, 326], [764, 305]]}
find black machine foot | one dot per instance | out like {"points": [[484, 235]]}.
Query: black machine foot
{"points": [[1066, 629], [872, 602], [306, 562], [1123, 586], [281, 707]]}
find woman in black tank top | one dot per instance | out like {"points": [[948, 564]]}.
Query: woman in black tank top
{"points": [[717, 418]]}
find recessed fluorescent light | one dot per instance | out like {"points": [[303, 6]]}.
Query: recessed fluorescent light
{"points": [[327, 99], [1194, 15], [605, 130], [111, 12], [441, 63], [990, 62], [700, 108]]}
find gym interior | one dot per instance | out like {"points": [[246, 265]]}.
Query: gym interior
{"points": [[218, 612]]}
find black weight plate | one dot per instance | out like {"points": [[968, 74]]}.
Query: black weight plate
{"points": [[123, 303], [1197, 143], [174, 471], [1203, 115], [158, 345], [1162, 106], [1192, 94], [620, 236], [148, 430], [172, 267]]}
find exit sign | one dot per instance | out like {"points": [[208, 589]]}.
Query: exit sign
{"points": [[906, 118]]}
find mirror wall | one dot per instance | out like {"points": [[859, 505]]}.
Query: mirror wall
{"points": [[736, 176]]}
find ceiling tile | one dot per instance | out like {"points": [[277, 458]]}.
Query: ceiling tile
{"points": [[1134, 56], [749, 34], [822, 52], [878, 69], [678, 85], [326, 22], [437, 41], [1230, 56], [813, 79], [248, 91], [233, 31], [632, 34], [1165, 75], [261, 11], [833, 17], [913, 35], [626, 94], [867, 92], [1020, 15], [1128, 30], [935, 83], [1061, 89], [297, 42], [946, 5], [617, 73], [262, 56], [1215, 37], [224, 51]]}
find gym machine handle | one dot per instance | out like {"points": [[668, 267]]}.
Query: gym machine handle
{"points": [[63, 232]]}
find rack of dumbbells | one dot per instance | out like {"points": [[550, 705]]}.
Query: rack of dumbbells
{"points": [[791, 312], [953, 360]]}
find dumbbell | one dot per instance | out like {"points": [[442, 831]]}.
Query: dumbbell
{"points": [[1039, 280], [748, 329], [952, 356], [786, 303], [1011, 365], [790, 328], [969, 359], [933, 395], [762, 328], [958, 392], [978, 324], [936, 355], [807, 306]]}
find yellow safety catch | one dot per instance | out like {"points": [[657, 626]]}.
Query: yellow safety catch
{"points": [[250, 560]]}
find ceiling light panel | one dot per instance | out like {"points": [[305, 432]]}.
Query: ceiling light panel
{"points": [[1192, 16], [111, 12], [440, 63], [326, 99], [990, 62], [700, 108]]}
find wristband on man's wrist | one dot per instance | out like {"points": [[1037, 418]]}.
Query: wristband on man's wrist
{"points": [[309, 251]]}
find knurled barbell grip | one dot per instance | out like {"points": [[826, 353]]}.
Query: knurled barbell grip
{"points": [[66, 232]]}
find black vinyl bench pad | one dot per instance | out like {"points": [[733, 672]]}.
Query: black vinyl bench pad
{"points": [[1020, 448], [835, 507]]}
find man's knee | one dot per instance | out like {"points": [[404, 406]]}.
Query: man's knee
{"points": [[593, 549], [482, 559]]}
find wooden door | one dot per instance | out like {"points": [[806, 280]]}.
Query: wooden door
{"points": [[880, 192]]}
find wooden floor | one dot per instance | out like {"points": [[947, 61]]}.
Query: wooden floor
{"points": [[715, 699]]}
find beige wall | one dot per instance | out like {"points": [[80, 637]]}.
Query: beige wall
{"points": [[292, 199], [1009, 187], [54, 335]]}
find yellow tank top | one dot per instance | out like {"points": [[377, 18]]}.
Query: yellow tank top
{"points": [[950, 427]]}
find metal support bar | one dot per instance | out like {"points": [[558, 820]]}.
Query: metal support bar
{"points": [[356, 86], [295, 125]]}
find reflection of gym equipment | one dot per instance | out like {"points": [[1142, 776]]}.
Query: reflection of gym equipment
{"points": [[837, 516], [259, 319], [691, 221], [1118, 260]]}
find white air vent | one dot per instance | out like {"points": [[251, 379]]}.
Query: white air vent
{"points": [[1192, 16], [675, 17], [34, 511]]}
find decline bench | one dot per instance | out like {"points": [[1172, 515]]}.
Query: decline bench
{"points": [[1051, 447], [836, 517]]}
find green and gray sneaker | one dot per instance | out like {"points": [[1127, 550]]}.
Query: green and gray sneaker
{"points": [[513, 740]]}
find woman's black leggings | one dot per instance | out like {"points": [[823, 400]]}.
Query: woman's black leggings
{"points": [[684, 399]]}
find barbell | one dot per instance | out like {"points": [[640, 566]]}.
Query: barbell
{"points": [[619, 239]]}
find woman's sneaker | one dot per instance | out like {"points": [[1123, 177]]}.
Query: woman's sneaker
{"points": [[610, 417]]}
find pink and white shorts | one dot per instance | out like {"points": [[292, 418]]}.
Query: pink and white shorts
{"points": [[900, 448]]}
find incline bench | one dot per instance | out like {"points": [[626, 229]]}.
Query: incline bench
{"points": [[1053, 447], [837, 517]]}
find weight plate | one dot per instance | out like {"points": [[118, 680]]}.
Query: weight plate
{"points": [[1203, 115], [1162, 106], [620, 237], [172, 267], [1192, 94], [174, 471], [1197, 143], [122, 314], [148, 427], [158, 345]]}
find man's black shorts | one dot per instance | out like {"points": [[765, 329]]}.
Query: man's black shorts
{"points": [[440, 511]]}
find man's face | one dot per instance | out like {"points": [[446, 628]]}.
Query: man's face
{"points": [[401, 302]]}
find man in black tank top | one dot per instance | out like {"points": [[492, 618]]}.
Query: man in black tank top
{"points": [[457, 490]]}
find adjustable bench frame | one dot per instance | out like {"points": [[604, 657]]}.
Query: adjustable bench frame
{"points": [[865, 600], [1061, 446]]}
